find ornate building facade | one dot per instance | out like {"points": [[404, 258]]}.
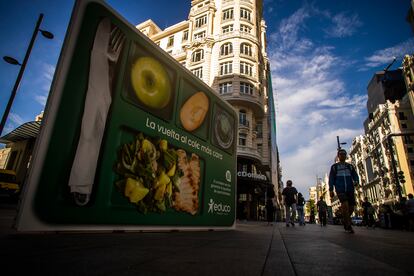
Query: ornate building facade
{"points": [[223, 42], [383, 152]]}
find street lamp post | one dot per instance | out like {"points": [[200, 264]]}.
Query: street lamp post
{"points": [[339, 143], [22, 68]]}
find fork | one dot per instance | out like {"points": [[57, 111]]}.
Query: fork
{"points": [[116, 42]]}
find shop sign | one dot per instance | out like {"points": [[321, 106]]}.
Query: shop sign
{"points": [[256, 176]]}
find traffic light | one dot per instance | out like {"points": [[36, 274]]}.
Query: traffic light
{"points": [[401, 177]]}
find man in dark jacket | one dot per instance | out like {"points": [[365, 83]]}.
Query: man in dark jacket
{"points": [[322, 209], [343, 176], [289, 194]]}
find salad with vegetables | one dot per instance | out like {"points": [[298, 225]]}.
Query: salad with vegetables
{"points": [[149, 174], [154, 176]]}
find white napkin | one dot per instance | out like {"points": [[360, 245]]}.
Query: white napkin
{"points": [[98, 100]]}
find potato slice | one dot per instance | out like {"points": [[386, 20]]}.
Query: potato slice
{"points": [[194, 111]]}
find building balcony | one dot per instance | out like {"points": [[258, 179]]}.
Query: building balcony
{"points": [[254, 102], [249, 152], [179, 54], [244, 124], [237, 34]]}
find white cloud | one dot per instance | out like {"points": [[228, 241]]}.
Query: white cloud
{"points": [[41, 99], [314, 106], [44, 82], [384, 56], [343, 25], [48, 71], [288, 36], [314, 158], [16, 119]]}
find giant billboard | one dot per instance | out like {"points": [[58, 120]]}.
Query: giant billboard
{"points": [[130, 139]]}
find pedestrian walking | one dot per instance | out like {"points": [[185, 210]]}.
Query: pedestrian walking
{"points": [[410, 211], [368, 213], [299, 208], [312, 216], [289, 194], [342, 177], [269, 211], [322, 210]]}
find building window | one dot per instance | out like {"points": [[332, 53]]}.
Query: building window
{"points": [[228, 14], [260, 148], [245, 29], [226, 49], [245, 14], [242, 139], [246, 68], [201, 21], [259, 130], [199, 35], [246, 88], [401, 116], [243, 118], [403, 125], [170, 41], [227, 29], [412, 163], [225, 87], [198, 72], [198, 55], [185, 36], [246, 49], [410, 150], [226, 68], [243, 197]]}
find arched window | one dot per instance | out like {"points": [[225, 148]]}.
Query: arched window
{"points": [[198, 55], [226, 49], [246, 49]]}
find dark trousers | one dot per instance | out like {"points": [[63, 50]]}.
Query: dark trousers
{"points": [[322, 218]]}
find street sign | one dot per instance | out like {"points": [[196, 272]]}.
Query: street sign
{"points": [[130, 140]]}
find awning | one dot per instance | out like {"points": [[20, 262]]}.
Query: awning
{"points": [[25, 131]]}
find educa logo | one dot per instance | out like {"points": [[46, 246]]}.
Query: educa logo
{"points": [[218, 208]]}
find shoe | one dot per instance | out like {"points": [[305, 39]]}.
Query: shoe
{"points": [[351, 231], [293, 224], [287, 224]]}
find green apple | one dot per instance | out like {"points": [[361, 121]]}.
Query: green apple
{"points": [[151, 82]]}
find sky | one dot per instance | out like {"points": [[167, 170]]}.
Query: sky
{"points": [[322, 54]]}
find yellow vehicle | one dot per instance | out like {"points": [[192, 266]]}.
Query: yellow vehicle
{"points": [[8, 183]]}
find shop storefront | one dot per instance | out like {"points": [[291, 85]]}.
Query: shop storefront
{"points": [[253, 189]]}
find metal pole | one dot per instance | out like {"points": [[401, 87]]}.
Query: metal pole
{"points": [[19, 76], [337, 140]]}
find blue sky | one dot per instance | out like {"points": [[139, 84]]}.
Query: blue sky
{"points": [[322, 53]]}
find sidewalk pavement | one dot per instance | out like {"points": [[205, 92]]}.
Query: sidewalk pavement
{"points": [[253, 248]]}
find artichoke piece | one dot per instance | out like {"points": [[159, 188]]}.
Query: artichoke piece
{"points": [[135, 190], [163, 145]]}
